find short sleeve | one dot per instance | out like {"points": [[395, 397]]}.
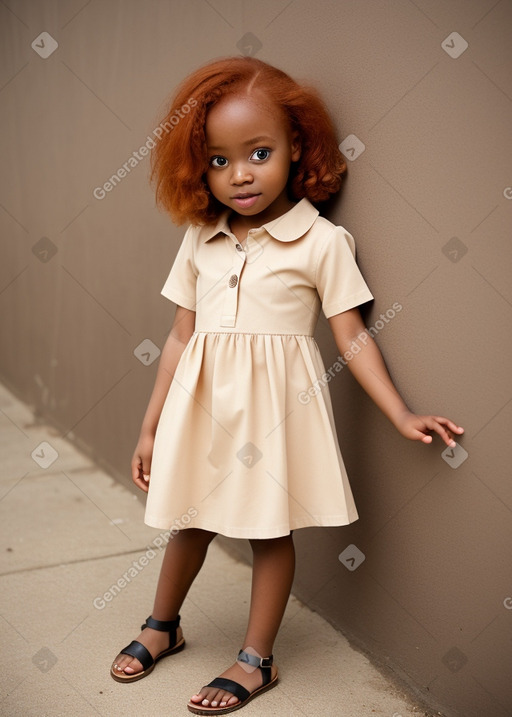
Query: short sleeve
{"points": [[339, 282], [180, 286]]}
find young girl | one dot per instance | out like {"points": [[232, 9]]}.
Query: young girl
{"points": [[228, 439]]}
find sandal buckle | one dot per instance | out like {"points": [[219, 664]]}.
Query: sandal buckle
{"points": [[262, 662]]}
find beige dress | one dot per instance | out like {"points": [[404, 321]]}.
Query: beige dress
{"points": [[246, 442]]}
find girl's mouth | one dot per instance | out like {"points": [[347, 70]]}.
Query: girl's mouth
{"points": [[245, 201]]}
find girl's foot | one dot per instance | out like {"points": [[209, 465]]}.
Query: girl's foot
{"points": [[250, 678], [155, 641]]}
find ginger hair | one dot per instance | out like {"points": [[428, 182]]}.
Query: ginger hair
{"points": [[179, 159]]}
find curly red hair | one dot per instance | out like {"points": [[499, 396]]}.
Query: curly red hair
{"points": [[179, 158]]}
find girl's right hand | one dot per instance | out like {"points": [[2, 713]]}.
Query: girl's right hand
{"points": [[141, 462]]}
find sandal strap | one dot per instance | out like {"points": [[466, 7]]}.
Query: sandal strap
{"points": [[230, 686], [163, 626], [263, 663], [136, 649]]}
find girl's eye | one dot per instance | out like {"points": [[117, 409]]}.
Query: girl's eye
{"points": [[218, 161], [260, 154]]}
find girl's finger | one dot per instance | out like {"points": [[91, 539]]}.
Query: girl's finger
{"points": [[418, 435], [136, 468], [146, 470], [140, 483], [445, 435], [450, 424]]}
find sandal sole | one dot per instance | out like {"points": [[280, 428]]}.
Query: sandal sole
{"points": [[198, 710]]}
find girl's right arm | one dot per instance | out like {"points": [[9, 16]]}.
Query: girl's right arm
{"points": [[181, 331]]}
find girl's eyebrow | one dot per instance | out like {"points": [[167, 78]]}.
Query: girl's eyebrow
{"points": [[253, 140], [262, 138]]}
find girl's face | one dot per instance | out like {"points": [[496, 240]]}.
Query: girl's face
{"points": [[250, 149]]}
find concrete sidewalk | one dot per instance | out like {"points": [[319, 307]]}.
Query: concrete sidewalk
{"points": [[69, 533]]}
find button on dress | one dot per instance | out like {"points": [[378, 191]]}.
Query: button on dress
{"points": [[246, 442]]}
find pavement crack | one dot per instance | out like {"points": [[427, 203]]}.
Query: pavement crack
{"points": [[78, 561]]}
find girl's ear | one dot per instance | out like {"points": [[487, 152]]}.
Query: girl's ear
{"points": [[296, 149]]}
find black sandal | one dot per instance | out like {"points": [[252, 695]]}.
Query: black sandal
{"points": [[263, 663], [136, 649]]}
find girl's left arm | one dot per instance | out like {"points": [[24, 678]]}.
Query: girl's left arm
{"points": [[369, 369]]}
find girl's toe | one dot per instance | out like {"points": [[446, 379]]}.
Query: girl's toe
{"points": [[128, 665], [199, 698], [226, 699], [119, 664], [212, 697]]}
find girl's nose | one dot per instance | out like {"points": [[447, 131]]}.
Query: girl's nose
{"points": [[241, 174]]}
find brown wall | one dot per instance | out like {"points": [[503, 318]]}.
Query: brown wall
{"points": [[430, 598]]}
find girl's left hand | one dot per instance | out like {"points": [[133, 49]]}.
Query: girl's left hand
{"points": [[417, 428]]}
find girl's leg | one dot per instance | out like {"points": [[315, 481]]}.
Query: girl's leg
{"points": [[184, 556], [272, 577]]}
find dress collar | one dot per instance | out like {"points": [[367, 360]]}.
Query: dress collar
{"points": [[288, 227]]}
